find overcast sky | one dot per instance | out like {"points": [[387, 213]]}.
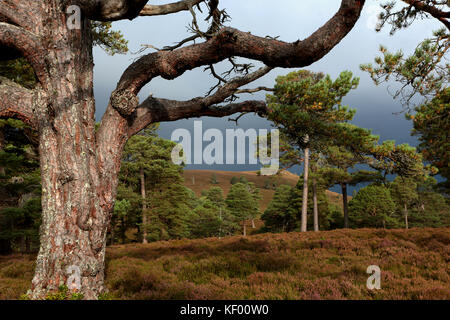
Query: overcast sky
{"points": [[290, 20]]}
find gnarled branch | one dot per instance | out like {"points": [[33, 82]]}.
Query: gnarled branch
{"points": [[434, 11], [229, 42], [157, 110], [17, 102], [16, 12], [20, 41], [158, 10], [111, 10]]}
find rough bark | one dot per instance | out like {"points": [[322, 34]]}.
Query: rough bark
{"points": [[80, 167], [158, 10], [18, 102], [22, 13], [111, 10], [345, 204], [77, 193], [305, 192], [19, 40], [316, 208]]}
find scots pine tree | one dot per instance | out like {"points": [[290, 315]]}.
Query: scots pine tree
{"points": [[305, 107]]}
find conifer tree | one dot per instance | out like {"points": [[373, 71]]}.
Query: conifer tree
{"points": [[405, 190], [373, 207], [391, 159], [147, 165], [423, 78], [277, 217], [20, 188], [340, 161], [432, 125], [241, 204], [306, 106], [227, 223]]}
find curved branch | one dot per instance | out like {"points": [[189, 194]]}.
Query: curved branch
{"points": [[158, 10], [18, 40], [17, 102], [17, 13], [111, 10], [157, 110], [229, 42], [434, 11]]}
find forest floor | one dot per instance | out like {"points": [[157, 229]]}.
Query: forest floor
{"points": [[324, 265]]}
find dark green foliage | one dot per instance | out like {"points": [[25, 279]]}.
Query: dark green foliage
{"points": [[283, 212], [430, 208], [210, 219], [243, 180], [307, 104], [242, 202], [167, 200], [20, 206], [109, 40], [373, 207], [403, 160], [278, 217], [423, 73], [19, 71], [215, 195], [213, 179], [168, 213], [234, 180], [432, 125]]}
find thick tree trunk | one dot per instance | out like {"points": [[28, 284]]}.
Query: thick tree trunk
{"points": [[406, 217], [305, 191], [78, 186], [316, 207], [345, 204], [144, 207]]}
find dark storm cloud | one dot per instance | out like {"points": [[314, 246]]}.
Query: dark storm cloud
{"points": [[291, 20]]}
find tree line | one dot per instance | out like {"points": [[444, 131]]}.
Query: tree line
{"points": [[153, 203]]}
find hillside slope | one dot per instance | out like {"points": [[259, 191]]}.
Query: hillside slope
{"points": [[322, 265], [199, 180]]}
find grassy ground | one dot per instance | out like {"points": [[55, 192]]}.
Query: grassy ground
{"points": [[324, 265]]}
